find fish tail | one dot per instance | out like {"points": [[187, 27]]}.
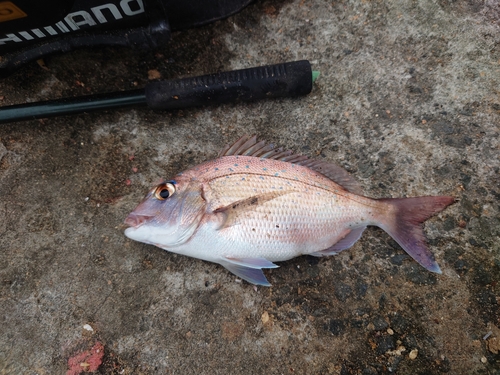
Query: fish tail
{"points": [[404, 225]]}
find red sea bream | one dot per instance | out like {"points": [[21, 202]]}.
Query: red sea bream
{"points": [[255, 205]]}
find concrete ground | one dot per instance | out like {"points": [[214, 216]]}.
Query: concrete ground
{"points": [[407, 101]]}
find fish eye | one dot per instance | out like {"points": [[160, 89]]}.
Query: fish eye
{"points": [[165, 190]]}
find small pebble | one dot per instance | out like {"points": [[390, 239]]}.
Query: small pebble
{"points": [[413, 354], [87, 327], [265, 317], [493, 345], [153, 74]]}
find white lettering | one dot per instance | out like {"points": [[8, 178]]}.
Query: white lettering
{"points": [[50, 30], [39, 33], [127, 9], [62, 27], [26, 35], [77, 19], [85, 19], [100, 16], [10, 38]]}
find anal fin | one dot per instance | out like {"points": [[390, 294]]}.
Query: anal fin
{"points": [[345, 243]]}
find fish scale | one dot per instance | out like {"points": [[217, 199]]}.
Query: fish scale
{"points": [[255, 205], [304, 212]]}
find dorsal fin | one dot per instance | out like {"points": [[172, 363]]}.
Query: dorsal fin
{"points": [[249, 146]]}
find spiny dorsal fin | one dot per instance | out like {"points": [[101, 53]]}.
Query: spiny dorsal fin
{"points": [[335, 173], [249, 146]]}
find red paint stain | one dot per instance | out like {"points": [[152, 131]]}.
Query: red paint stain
{"points": [[87, 361]]}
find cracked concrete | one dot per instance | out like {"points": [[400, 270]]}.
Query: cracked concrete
{"points": [[407, 101]]}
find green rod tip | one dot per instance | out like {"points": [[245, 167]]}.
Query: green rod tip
{"points": [[315, 75]]}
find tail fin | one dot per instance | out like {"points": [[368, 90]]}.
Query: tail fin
{"points": [[404, 226]]}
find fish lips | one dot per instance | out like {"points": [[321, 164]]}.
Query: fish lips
{"points": [[144, 228], [134, 231], [134, 220]]}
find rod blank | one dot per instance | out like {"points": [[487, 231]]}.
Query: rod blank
{"points": [[281, 80]]}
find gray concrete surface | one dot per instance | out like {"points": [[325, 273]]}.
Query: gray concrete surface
{"points": [[407, 101]]}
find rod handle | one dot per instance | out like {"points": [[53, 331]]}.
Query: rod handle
{"points": [[290, 79]]}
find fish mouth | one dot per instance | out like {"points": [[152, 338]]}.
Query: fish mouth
{"points": [[135, 220]]}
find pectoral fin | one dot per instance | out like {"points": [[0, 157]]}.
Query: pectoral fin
{"points": [[236, 209], [249, 269], [251, 262]]}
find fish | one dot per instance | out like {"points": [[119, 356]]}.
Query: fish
{"points": [[256, 204]]}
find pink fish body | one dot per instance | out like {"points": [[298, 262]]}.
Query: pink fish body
{"points": [[255, 205]]}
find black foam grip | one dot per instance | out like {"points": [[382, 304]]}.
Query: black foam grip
{"points": [[281, 80]]}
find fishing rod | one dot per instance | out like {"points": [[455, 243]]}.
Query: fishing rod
{"points": [[290, 79]]}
